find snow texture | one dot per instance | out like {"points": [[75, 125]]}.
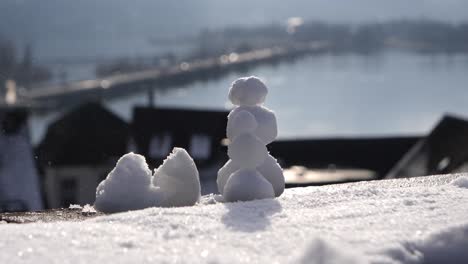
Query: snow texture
{"points": [[130, 186], [417, 220], [248, 91]]}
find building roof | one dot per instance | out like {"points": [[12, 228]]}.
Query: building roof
{"points": [[180, 124], [88, 134], [376, 154], [443, 150]]}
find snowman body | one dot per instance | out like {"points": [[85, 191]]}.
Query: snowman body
{"points": [[251, 173]]}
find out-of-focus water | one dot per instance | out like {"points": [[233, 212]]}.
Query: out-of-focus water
{"points": [[346, 95]]}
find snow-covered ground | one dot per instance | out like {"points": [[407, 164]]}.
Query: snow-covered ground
{"points": [[418, 220]]}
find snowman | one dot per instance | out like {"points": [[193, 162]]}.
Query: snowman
{"points": [[251, 172]]}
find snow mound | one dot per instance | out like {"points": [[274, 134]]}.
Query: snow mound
{"points": [[127, 187], [248, 91], [320, 251], [461, 182], [130, 186], [267, 129], [247, 185], [178, 179], [448, 245]]}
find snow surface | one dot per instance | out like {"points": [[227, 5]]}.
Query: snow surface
{"points": [[130, 185], [417, 220]]}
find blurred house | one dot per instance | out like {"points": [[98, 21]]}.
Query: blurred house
{"points": [[337, 160], [156, 131], [78, 151], [444, 150], [20, 188]]}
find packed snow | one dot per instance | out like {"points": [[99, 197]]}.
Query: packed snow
{"points": [[251, 173], [130, 185], [417, 220]]}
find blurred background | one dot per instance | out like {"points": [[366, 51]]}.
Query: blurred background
{"points": [[362, 89]]}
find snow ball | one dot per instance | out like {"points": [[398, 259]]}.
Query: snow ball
{"points": [[239, 123], [224, 173], [269, 169], [247, 185], [461, 182], [247, 151], [248, 91], [178, 179], [266, 130], [321, 251], [272, 171]]}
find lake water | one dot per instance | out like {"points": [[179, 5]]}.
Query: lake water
{"points": [[321, 96]]}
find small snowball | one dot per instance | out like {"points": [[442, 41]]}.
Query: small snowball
{"points": [[269, 169], [267, 129], [247, 185], [178, 179], [240, 123], [248, 91], [247, 151]]}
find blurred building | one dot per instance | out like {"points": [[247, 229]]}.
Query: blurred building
{"points": [[20, 188], [337, 160], [78, 151], [444, 150]]}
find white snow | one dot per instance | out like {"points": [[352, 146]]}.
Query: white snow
{"points": [[247, 185], [247, 151], [242, 122], [75, 206], [417, 220], [461, 182], [248, 91], [130, 185], [270, 169], [267, 129]]}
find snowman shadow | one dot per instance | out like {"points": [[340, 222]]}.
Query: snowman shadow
{"points": [[250, 216]]}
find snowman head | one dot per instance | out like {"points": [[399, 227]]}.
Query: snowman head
{"points": [[248, 91]]}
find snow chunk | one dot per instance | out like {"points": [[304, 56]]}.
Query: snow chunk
{"points": [[178, 178], [75, 206], [130, 186], [246, 185], [267, 129], [248, 91], [320, 251], [247, 151], [240, 123], [127, 187], [461, 182], [88, 210]]}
